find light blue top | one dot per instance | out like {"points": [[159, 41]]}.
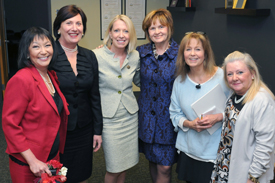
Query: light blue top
{"points": [[199, 145]]}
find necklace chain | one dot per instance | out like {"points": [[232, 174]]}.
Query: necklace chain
{"points": [[52, 91], [68, 49], [239, 100]]}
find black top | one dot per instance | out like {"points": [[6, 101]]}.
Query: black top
{"points": [[240, 105], [81, 91], [59, 105]]}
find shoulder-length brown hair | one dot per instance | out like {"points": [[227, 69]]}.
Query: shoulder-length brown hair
{"points": [[164, 17], [209, 66]]}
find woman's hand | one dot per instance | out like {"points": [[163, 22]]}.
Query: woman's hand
{"points": [[249, 181], [97, 142], [209, 120], [100, 46], [37, 167], [194, 125]]}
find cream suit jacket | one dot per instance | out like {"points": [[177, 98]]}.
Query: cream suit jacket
{"points": [[115, 82]]}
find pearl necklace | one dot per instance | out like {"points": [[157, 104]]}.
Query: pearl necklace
{"points": [[68, 49], [52, 91], [238, 101]]}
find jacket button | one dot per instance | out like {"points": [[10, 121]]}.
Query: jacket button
{"points": [[155, 85], [119, 76], [75, 95], [153, 112], [156, 71], [119, 92], [75, 106], [154, 98], [76, 83]]}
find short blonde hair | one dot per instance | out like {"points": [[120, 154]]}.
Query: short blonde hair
{"points": [[252, 66], [131, 29], [209, 66], [164, 17]]}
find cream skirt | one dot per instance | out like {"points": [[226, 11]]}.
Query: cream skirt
{"points": [[120, 140]]}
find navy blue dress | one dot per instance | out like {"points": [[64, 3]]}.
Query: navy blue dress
{"points": [[156, 132]]}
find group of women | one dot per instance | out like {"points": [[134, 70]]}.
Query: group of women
{"points": [[92, 103]]}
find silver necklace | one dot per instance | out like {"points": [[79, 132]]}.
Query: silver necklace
{"points": [[68, 49], [48, 83], [238, 101]]}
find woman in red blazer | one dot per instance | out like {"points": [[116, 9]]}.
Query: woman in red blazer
{"points": [[35, 112]]}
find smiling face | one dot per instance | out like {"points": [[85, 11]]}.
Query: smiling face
{"points": [[41, 52], [194, 53], [71, 31], [158, 33], [238, 76], [119, 35]]}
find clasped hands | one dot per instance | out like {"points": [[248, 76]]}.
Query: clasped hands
{"points": [[206, 122]]}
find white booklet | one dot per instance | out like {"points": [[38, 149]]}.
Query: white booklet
{"points": [[212, 102]]}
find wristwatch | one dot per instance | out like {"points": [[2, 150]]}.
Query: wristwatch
{"points": [[253, 179]]}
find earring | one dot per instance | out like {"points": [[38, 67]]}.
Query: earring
{"points": [[252, 78], [58, 32], [28, 57]]}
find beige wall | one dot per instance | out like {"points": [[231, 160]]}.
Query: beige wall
{"points": [[92, 11]]}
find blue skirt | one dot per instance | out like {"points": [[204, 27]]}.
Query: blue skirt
{"points": [[160, 154]]}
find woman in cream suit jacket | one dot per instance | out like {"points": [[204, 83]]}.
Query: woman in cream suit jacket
{"points": [[118, 67]]}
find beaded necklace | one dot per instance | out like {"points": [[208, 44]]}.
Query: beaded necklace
{"points": [[48, 84], [155, 50]]}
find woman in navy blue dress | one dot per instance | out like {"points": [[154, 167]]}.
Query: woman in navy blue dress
{"points": [[77, 71], [157, 66]]}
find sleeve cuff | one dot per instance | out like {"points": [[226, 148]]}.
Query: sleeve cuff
{"points": [[181, 121]]}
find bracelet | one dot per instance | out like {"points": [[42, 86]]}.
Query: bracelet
{"points": [[253, 179]]}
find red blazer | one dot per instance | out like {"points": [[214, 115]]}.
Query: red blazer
{"points": [[30, 118]]}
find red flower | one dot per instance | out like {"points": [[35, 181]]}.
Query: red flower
{"points": [[55, 164]]}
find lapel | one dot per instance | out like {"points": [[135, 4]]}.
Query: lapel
{"points": [[55, 82], [42, 87]]}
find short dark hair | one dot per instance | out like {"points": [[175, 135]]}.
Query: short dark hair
{"points": [[65, 13], [25, 42]]}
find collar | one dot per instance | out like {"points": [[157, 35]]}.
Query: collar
{"points": [[109, 52], [171, 52]]}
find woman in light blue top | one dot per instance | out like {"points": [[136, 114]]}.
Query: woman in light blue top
{"points": [[118, 63], [196, 75]]}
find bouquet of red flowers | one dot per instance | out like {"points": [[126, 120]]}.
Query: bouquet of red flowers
{"points": [[58, 173]]}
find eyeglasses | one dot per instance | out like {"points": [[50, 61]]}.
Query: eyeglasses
{"points": [[198, 32]]}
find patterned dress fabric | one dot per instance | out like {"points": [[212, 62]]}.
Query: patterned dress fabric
{"points": [[221, 167], [155, 126]]}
